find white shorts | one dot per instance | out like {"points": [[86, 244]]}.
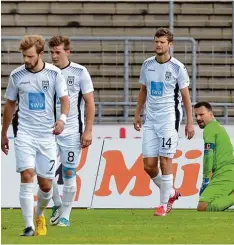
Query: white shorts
{"points": [[69, 150], [37, 154], [159, 140]]}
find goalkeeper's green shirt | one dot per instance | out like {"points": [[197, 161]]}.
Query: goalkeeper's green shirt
{"points": [[218, 148]]}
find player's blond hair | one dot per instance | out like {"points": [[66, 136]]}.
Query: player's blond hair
{"points": [[58, 40], [161, 32], [32, 40]]}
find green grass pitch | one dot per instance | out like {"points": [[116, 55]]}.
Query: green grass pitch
{"points": [[127, 226]]}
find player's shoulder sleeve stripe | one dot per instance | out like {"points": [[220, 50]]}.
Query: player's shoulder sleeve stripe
{"points": [[51, 70], [76, 69], [18, 74], [51, 73], [148, 62], [174, 66]]}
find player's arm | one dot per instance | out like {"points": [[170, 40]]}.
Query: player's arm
{"points": [[140, 100], [65, 105], [183, 82], [86, 138], [208, 158], [89, 111], [189, 130], [62, 93], [86, 85], [9, 109]]}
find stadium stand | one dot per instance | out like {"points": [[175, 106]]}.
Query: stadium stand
{"points": [[209, 23]]}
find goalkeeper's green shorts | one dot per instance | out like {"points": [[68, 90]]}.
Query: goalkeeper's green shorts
{"points": [[221, 184]]}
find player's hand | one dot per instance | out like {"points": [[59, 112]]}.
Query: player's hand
{"points": [[86, 139], [205, 183], [58, 127], [137, 123], [189, 131], [5, 144]]}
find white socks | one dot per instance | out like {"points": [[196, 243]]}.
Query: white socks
{"points": [[166, 189], [165, 184], [56, 197], [69, 192], [27, 203], [43, 201], [157, 180]]}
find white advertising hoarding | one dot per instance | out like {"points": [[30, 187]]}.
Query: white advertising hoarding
{"points": [[111, 175], [122, 181], [86, 177]]}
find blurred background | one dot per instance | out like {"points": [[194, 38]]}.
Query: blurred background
{"points": [[113, 38]]}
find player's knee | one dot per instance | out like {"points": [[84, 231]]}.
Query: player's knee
{"points": [[68, 173], [165, 164], [202, 206], [149, 169], [201, 209], [45, 187], [44, 184], [27, 176]]}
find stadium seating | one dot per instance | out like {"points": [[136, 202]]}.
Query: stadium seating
{"points": [[209, 23]]}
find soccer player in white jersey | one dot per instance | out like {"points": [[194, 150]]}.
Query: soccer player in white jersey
{"points": [[36, 83], [163, 80], [75, 136]]}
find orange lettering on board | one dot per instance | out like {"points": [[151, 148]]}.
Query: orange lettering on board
{"points": [[191, 171], [115, 166], [188, 186]]}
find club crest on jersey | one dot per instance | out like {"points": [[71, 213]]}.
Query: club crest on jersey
{"points": [[45, 85], [70, 80], [168, 76]]}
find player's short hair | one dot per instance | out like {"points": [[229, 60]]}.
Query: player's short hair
{"points": [[58, 40], [32, 40], [205, 104], [161, 32]]}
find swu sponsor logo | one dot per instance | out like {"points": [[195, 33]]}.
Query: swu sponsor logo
{"points": [[36, 101], [37, 106], [157, 88], [156, 93]]}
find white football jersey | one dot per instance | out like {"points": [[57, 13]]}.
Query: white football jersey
{"points": [[163, 83], [36, 91], [78, 83]]}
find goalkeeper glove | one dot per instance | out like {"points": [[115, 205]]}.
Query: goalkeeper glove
{"points": [[205, 183]]}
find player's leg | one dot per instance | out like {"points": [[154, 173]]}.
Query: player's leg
{"points": [[219, 194], [56, 197], [222, 203], [56, 200], [70, 159], [69, 192], [56, 209], [25, 163], [46, 162], [150, 154], [167, 148]]}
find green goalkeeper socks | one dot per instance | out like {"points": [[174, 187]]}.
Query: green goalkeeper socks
{"points": [[220, 204]]}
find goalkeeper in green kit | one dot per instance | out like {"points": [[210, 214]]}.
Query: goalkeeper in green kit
{"points": [[217, 190]]}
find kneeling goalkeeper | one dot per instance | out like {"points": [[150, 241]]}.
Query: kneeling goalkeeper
{"points": [[217, 190]]}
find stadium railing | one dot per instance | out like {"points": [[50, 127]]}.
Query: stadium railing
{"points": [[126, 102]]}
